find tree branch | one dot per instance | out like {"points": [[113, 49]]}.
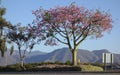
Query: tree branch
{"points": [[84, 29], [58, 30], [73, 34], [61, 31], [59, 40], [68, 39], [84, 36]]}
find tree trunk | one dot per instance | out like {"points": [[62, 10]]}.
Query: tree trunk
{"points": [[22, 63], [74, 57]]}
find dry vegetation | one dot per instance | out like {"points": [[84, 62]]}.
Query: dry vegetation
{"points": [[90, 68], [39, 67]]}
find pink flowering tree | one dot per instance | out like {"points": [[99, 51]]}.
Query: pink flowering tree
{"points": [[70, 25]]}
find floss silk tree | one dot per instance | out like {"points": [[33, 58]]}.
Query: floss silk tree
{"points": [[70, 25]]}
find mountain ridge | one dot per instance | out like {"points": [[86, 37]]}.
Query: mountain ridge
{"points": [[60, 55], [64, 54]]}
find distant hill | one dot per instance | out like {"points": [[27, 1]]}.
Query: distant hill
{"points": [[14, 58], [60, 55], [7, 59], [64, 54]]}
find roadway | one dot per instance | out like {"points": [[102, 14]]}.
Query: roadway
{"points": [[60, 73]]}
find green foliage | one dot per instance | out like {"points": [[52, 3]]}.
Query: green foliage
{"points": [[72, 68], [15, 67], [11, 50], [3, 24], [68, 62], [2, 41], [3, 47], [2, 11]]}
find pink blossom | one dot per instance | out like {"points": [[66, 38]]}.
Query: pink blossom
{"points": [[69, 19]]}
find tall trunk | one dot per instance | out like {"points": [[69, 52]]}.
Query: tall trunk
{"points": [[21, 59], [20, 56], [74, 57], [21, 62]]}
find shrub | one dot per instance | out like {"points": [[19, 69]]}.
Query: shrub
{"points": [[56, 68], [68, 62], [2, 68], [14, 67], [90, 68]]}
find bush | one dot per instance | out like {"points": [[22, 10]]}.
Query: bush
{"points": [[68, 62], [90, 68], [11, 68], [70, 68], [2, 68]]}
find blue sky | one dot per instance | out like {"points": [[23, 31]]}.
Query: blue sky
{"points": [[21, 11]]}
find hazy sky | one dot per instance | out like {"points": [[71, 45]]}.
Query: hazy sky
{"points": [[21, 11]]}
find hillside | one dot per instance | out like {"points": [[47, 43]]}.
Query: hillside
{"points": [[63, 55], [59, 55]]}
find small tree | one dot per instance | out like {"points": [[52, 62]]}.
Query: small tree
{"points": [[24, 40], [70, 25]]}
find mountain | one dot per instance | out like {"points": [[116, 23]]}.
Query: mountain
{"points": [[7, 59], [64, 54], [87, 56], [14, 58], [99, 54], [59, 55]]}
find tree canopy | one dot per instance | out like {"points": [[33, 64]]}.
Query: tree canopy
{"points": [[70, 22]]}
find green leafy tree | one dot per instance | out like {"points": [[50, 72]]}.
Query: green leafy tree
{"points": [[3, 25]]}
